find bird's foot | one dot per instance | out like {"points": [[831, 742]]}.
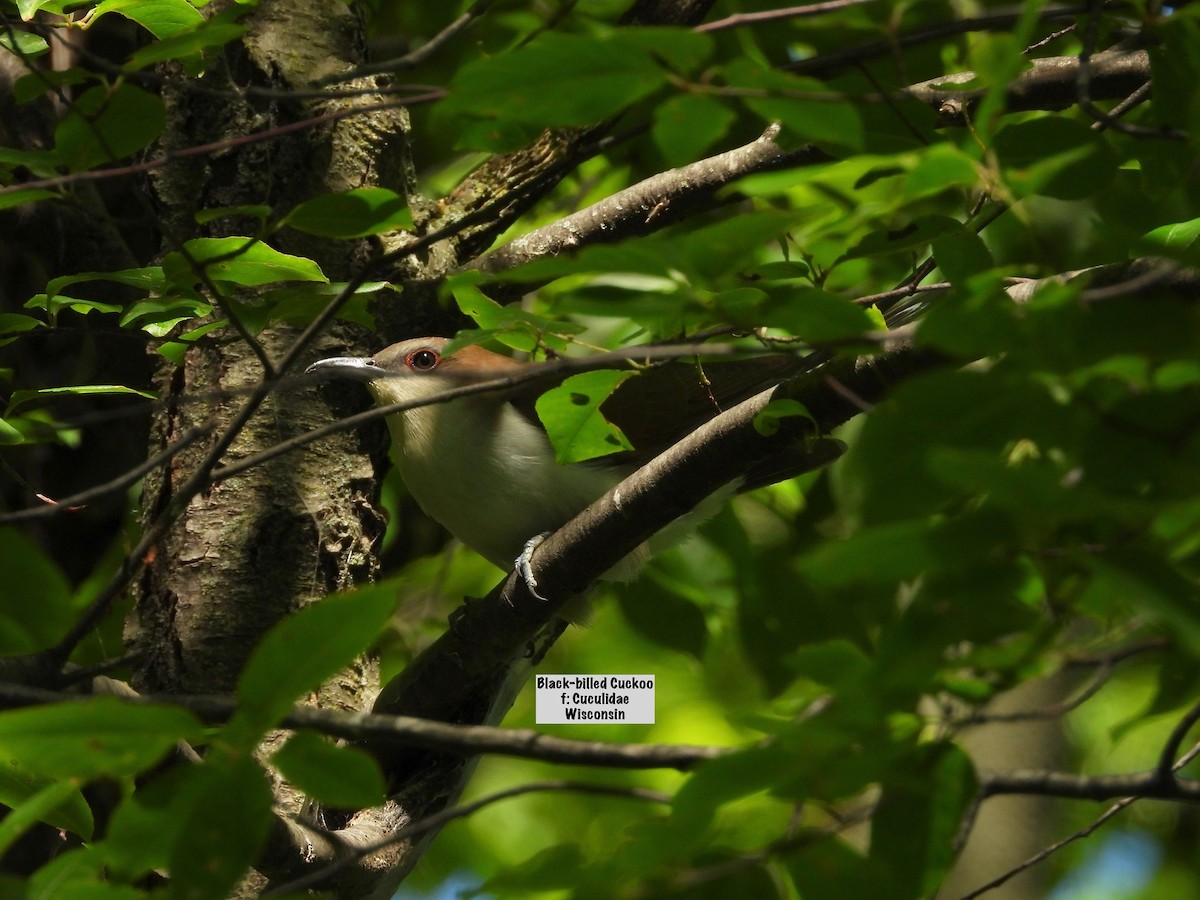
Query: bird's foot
{"points": [[525, 569]]}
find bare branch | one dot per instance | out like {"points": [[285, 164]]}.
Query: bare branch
{"points": [[1077, 790], [739, 20], [120, 483], [1050, 83], [465, 740], [849, 56], [648, 205], [1089, 787]]}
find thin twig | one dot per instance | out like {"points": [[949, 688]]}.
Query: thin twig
{"points": [[415, 57], [738, 20], [120, 483], [213, 147], [1150, 780]]}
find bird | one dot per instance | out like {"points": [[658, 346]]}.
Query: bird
{"points": [[483, 466]]}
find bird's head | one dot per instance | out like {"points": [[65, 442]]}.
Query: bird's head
{"points": [[418, 368]]}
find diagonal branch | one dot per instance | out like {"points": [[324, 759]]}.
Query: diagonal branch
{"points": [[648, 205], [1049, 83]]}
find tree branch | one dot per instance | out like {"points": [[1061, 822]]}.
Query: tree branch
{"points": [[1050, 83], [466, 740], [648, 205], [1089, 787]]}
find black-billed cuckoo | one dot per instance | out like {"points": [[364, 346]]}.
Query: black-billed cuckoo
{"points": [[483, 467]]}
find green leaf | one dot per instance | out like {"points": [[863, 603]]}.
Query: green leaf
{"points": [[837, 664], [40, 608], [23, 44], [546, 870], [940, 167], [996, 59], [727, 778], [38, 427], [29, 8], [573, 420], [1173, 62], [71, 814], [158, 316], [657, 608], [14, 324], [239, 260], [174, 350], [836, 864], [351, 214], [300, 304], [10, 197], [149, 278], [683, 49], [35, 808], [791, 270], [805, 107], [57, 303], [766, 422], [917, 234], [21, 398], [689, 124], [78, 874], [107, 124], [102, 736], [1151, 584], [891, 553], [162, 18], [30, 87], [185, 44], [226, 826], [961, 254], [146, 826], [1176, 241], [511, 325], [1054, 156], [920, 812], [302, 651], [344, 777], [10, 435], [815, 315], [558, 79]]}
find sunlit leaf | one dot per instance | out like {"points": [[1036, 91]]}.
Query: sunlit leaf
{"points": [[573, 420], [351, 214], [107, 124], [85, 740], [238, 260]]}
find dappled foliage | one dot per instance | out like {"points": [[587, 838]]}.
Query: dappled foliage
{"points": [[976, 223]]}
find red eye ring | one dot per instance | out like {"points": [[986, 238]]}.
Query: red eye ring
{"points": [[423, 360]]}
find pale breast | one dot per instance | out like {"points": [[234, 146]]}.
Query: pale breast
{"points": [[489, 476]]}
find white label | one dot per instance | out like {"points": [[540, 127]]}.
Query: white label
{"points": [[572, 699]]}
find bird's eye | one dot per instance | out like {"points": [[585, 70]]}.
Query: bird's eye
{"points": [[423, 360]]}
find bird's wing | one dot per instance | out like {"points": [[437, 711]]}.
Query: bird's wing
{"points": [[661, 404]]}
